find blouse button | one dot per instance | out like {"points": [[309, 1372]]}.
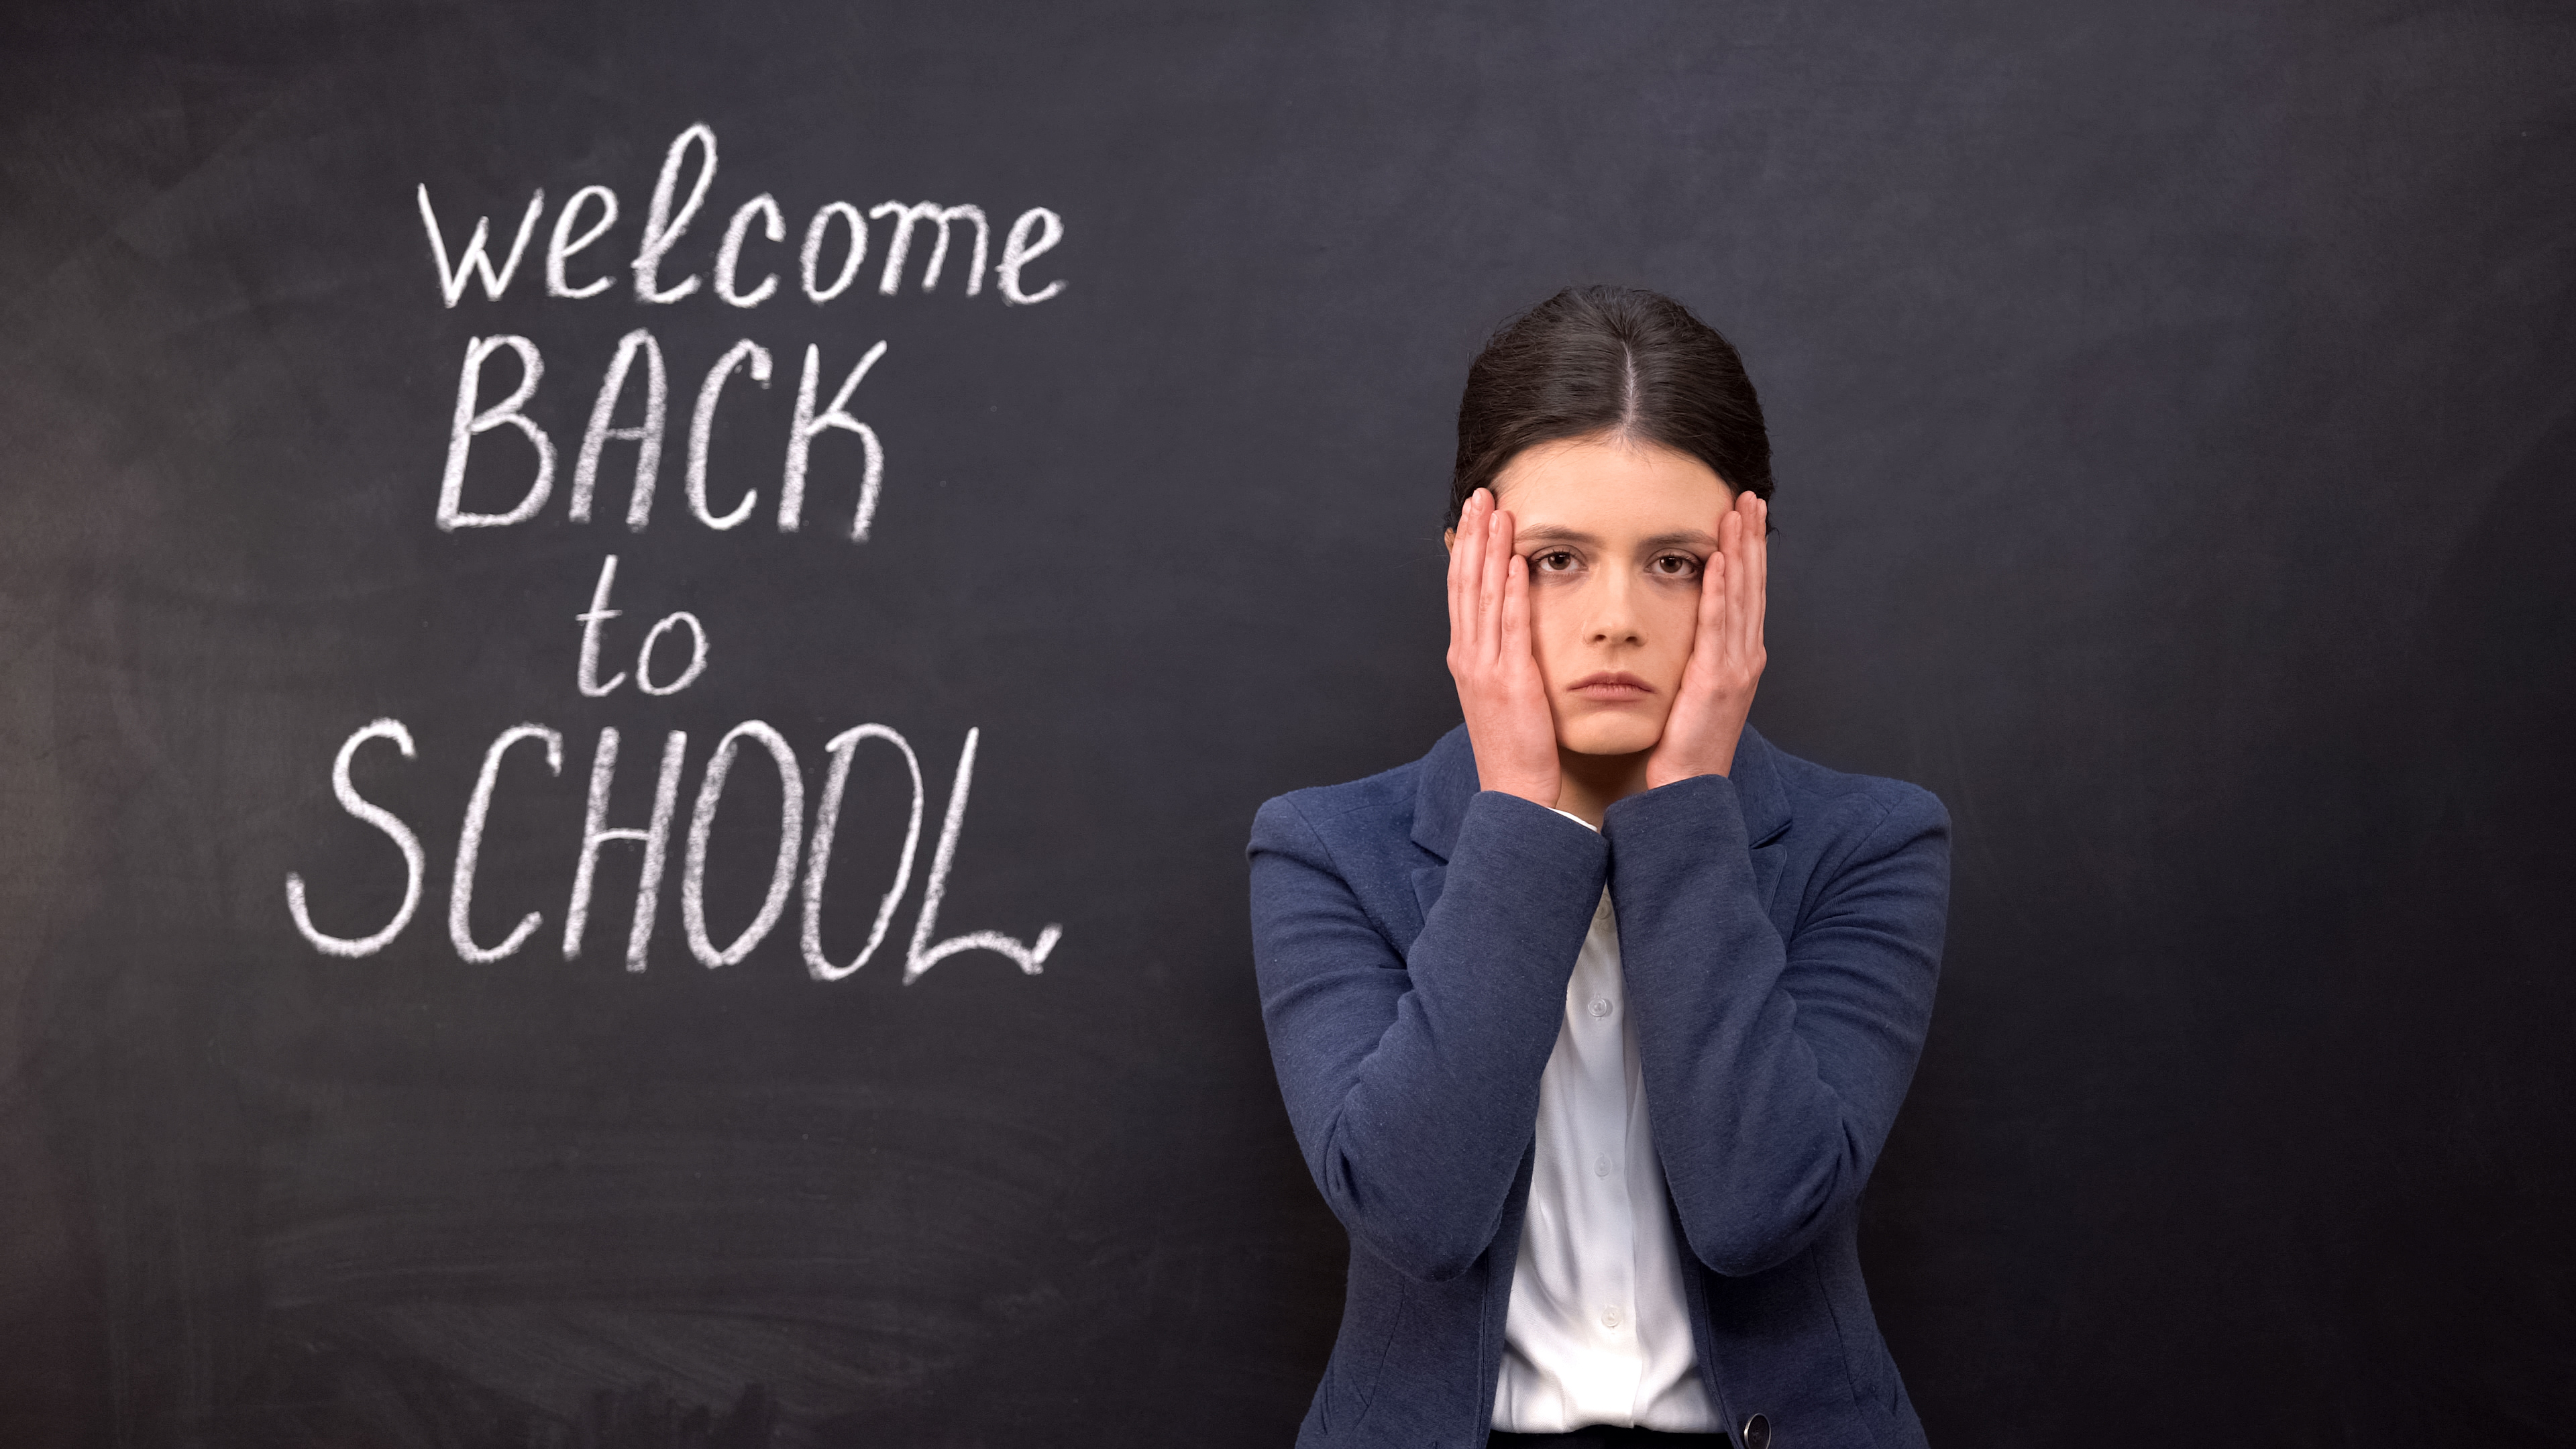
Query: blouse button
{"points": [[1600, 1006]]}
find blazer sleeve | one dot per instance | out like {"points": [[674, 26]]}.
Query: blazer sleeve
{"points": [[1773, 1069], [1411, 1080]]}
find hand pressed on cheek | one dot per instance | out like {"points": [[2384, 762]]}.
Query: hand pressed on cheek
{"points": [[1727, 655], [1489, 657]]}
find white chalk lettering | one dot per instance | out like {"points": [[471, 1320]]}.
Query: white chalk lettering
{"points": [[662, 229], [646, 435], [1030, 958], [594, 636], [697, 654], [791, 832], [1017, 253], [900, 245], [469, 423], [586, 674], [469, 848], [808, 426], [729, 257], [452, 280], [590, 229], [560, 249], [818, 856], [702, 426], [798, 852], [655, 838], [415, 862], [815, 232]]}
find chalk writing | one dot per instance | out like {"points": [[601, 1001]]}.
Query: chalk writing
{"points": [[839, 238], [797, 845]]}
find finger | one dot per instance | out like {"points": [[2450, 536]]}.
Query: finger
{"points": [[1747, 593], [1516, 624], [1466, 570], [1498, 556], [1458, 539], [1449, 574], [1759, 587], [1715, 576], [1739, 578]]}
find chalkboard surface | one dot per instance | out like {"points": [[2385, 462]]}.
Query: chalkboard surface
{"points": [[2174, 410]]}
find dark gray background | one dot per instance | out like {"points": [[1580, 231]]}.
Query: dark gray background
{"points": [[2172, 407]]}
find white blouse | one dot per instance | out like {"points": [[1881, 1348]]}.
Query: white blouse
{"points": [[1597, 1331]]}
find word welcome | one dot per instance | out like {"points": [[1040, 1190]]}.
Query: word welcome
{"points": [[836, 225]]}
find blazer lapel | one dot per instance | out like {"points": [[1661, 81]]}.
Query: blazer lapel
{"points": [[1427, 880], [1764, 795], [1441, 792], [1765, 799]]}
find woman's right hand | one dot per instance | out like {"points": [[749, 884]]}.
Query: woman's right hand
{"points": [[1508, 720]]}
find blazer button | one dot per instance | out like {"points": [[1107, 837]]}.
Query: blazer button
{"points": [[1757, 1433]]}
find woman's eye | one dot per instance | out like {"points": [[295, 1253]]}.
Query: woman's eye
{"points": [[1675, 565], [1554, 561]]}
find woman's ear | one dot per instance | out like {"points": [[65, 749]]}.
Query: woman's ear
{"points": [[1449, 539]]}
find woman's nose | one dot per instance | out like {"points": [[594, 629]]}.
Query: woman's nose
{"points": [[1614, 614]]}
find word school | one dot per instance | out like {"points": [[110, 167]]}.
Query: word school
{"points": [[795, 847]]}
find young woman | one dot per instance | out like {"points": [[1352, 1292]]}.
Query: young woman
{"points": [[1591, 1022]]}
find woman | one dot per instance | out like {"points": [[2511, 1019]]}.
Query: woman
{"points": [[1591, 1022]]}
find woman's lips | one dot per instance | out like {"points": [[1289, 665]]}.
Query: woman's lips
{"points": [[1610, 688]]}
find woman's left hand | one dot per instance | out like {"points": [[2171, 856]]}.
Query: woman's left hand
{"points": [[1726, 655]]}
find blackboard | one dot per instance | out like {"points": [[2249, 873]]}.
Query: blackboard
{"points": [[2172, 408]]}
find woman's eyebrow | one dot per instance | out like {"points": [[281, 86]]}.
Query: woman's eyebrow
{"points": [[1556, 533]]}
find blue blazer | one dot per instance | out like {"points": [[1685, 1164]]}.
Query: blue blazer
{"points": [[1780, 929]]}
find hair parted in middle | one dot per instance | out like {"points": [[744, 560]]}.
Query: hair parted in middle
{"points": [[1614, 363]]}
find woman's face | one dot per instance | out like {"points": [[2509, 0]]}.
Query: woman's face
{"points": [[1614, 534]]}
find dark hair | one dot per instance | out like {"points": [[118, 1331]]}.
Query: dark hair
{"points": [[1615, 361]]}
